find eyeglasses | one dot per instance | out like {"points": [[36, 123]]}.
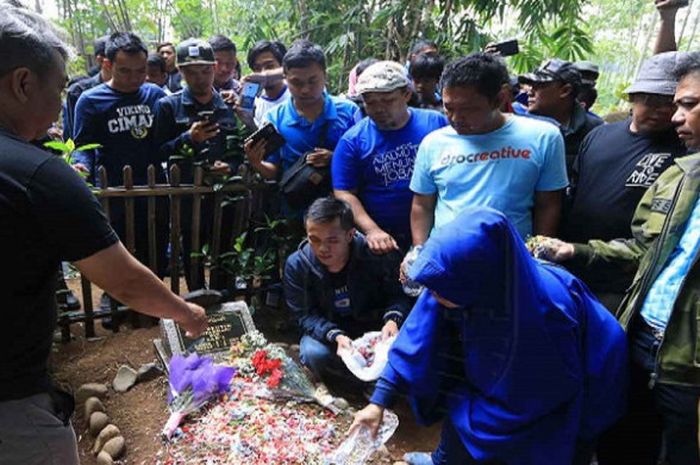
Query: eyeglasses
{"points": [[653, 100]]}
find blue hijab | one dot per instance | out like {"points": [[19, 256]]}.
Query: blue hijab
{"points": [[541, 363]]}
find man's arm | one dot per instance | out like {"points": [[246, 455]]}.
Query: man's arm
{"points": [[139, 288], [422, 217], [547, 213], [166, 138], [378, 240], [266, 77], [666, 39], [623, 254]]}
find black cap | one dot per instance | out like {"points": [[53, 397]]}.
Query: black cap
{"points": [[195, 52], [554, 70]]}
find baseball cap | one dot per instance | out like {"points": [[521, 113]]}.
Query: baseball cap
{"points": [[655, 76], [587, 67], [554, 70], [195, 52], [383, 76]]}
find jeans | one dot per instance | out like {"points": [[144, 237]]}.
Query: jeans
{"points": [[319, 356], [666, 414]]}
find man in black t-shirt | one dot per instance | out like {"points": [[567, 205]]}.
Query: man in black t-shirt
{"points": [[618, 162], [48, 215]]}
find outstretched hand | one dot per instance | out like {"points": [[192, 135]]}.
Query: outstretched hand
{"points": [[369, 417]]}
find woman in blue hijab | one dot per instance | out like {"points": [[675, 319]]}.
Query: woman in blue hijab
{"points": [[519, 361]]}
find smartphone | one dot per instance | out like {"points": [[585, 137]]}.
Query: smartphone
{"points": [[250, 91], [205, 115], [508, 47], [268, 132]]}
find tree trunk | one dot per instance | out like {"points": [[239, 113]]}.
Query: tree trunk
{"points": [[647, 41], [685, 23], [695, 30]]}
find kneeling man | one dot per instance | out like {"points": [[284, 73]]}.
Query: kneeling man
{"points": [[337, 288]]}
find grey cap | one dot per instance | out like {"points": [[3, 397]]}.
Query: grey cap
{"points": [[383, 76], [656, 75]]}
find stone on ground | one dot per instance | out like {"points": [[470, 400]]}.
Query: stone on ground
{"points": [[93, 404], [90, 390], [97, 421], [107, 433], [115, 447], [125, 379]]}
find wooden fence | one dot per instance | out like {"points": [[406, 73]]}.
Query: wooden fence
{"points": [[176, 192]]}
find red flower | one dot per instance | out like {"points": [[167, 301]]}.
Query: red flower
{"points": [[275, 377], [266, 366]]}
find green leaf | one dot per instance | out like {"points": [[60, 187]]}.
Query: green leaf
{"points": [[70, 144], [57, 145], [88, 147]]}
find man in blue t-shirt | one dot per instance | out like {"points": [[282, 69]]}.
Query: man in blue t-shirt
{"points": [[311, 121], [119, 115], [487, 158], [373, 162]]}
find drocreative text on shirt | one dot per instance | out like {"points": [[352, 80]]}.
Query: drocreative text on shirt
{"points": [[505, 153]]}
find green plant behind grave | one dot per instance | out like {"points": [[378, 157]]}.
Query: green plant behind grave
{"points": [[68, 148]]}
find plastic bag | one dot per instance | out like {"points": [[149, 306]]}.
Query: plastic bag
{"points": [[359, 446], [368, 356]]}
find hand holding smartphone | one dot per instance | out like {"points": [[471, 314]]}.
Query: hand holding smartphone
{"points": [[268, 133], [250, 91], [505, 49]]}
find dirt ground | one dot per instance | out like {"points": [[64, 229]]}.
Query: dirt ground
{"points": [[141, 412]]}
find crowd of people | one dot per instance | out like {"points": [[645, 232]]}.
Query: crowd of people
{"points": [[428, 173]]}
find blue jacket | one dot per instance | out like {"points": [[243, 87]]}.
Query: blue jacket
{"points": [[527, 366], [373, 289]]}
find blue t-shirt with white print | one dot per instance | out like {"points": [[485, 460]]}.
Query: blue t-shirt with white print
{"points": [[378, 165], [502, 169], [122, 123]]}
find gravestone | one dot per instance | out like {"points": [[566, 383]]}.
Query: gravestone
{"points": [[227, 321]]}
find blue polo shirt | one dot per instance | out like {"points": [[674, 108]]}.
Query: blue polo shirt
{"points": [[302, 135]]}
